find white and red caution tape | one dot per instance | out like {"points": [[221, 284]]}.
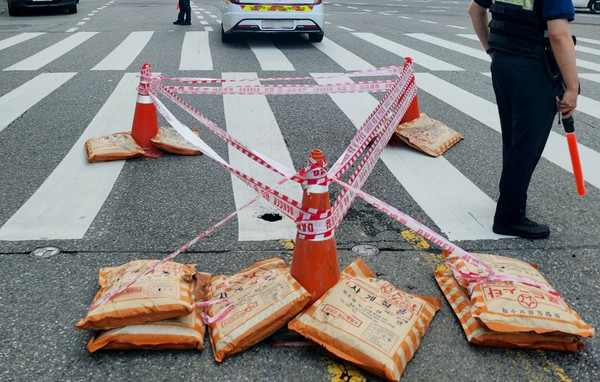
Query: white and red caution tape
{"points": [[312, 224]]}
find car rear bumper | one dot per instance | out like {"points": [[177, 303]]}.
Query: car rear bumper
{"points": [[29, 4], [238, 18]]}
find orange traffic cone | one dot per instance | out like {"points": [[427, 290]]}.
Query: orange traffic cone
{"points": [[315, 263], [145, 119], [413, 109]]}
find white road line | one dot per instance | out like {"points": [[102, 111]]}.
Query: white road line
{"points": [[588, 40], [344, 58], [486, 112], [584, 49], [580, 63], [65, 205], [250, 119], [476, 53], [195, 52], [269, 57], [462, 211], [588, 65], [420, 59], [127, 51], [18, 101], [591, 76], [51, 53], [14, 40]]}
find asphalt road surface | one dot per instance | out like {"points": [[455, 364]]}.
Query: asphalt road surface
{"points": [[68, 77]]}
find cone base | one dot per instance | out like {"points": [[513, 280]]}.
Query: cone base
{"points": [[152, 153]]}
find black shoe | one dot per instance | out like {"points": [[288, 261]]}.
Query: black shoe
{"points": [[186, 23], [178, 22], [526, 228]]}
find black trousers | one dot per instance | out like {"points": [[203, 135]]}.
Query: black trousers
{"points": [[185, 11], [525, 95]]}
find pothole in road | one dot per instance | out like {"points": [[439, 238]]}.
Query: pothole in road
{"points": [[271, 217]]}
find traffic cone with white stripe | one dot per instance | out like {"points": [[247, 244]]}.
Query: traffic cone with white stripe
{"points": [[145, 118], [412, 112], [315, 263]]}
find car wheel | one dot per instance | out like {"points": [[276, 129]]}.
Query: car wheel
{"points": [[594, 6], [225, 38], [315, 37], [12, 10], [73, 9]]}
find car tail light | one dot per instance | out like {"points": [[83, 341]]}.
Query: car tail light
{"points": [[317, 2], [235, 1]]}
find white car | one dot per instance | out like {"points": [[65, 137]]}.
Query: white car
{"points": [[592, 5], [273, 16]]}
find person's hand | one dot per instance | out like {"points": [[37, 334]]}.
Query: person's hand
{"points": [[568, 103]]}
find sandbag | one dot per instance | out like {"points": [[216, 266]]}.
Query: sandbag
{"points": [[169, 140], [165, 293], [186, 332], [368, 322], [428, 135], [112, 147], [517, 306], [478, 333], [265, 297]]}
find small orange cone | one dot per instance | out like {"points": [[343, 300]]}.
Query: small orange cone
{"points": [[413, 109], [145, 119], [315, 263]]}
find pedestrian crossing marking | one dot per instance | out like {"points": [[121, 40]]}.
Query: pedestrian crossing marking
{"points": [[269, 57], [21, 99], [14, 40], [486, 112], [53, 52], [127, 51], [195, 52], [249, 119], [468, 51], [462, 211], [342, 56], [420, 59], [65, 205]]}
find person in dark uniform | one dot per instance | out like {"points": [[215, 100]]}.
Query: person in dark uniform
{"points": [[528, 98], [185, 13]]}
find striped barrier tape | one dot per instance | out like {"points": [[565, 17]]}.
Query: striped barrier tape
{"points": [[317, 224]]}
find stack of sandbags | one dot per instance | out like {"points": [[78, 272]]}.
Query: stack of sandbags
{"points": [[428, 135], [264, 296], [368, 322], [510, 313], [158, 311]]}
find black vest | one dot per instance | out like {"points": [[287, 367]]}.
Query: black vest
{"points": [[516, 29]]}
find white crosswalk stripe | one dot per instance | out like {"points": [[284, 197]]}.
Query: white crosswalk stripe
{"points": [[246, 115], [195, 52], [126, 52], [269, 57], [65, 205], [422, 59], [462, 211], [46, 56], [18, 101], [67, 202], [14, 40]]}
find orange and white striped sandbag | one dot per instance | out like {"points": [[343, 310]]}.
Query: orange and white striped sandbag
{"points": [[477, 333], [518, 307], [265, 297], [165, 293], [186, 332], [368, 322]]}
